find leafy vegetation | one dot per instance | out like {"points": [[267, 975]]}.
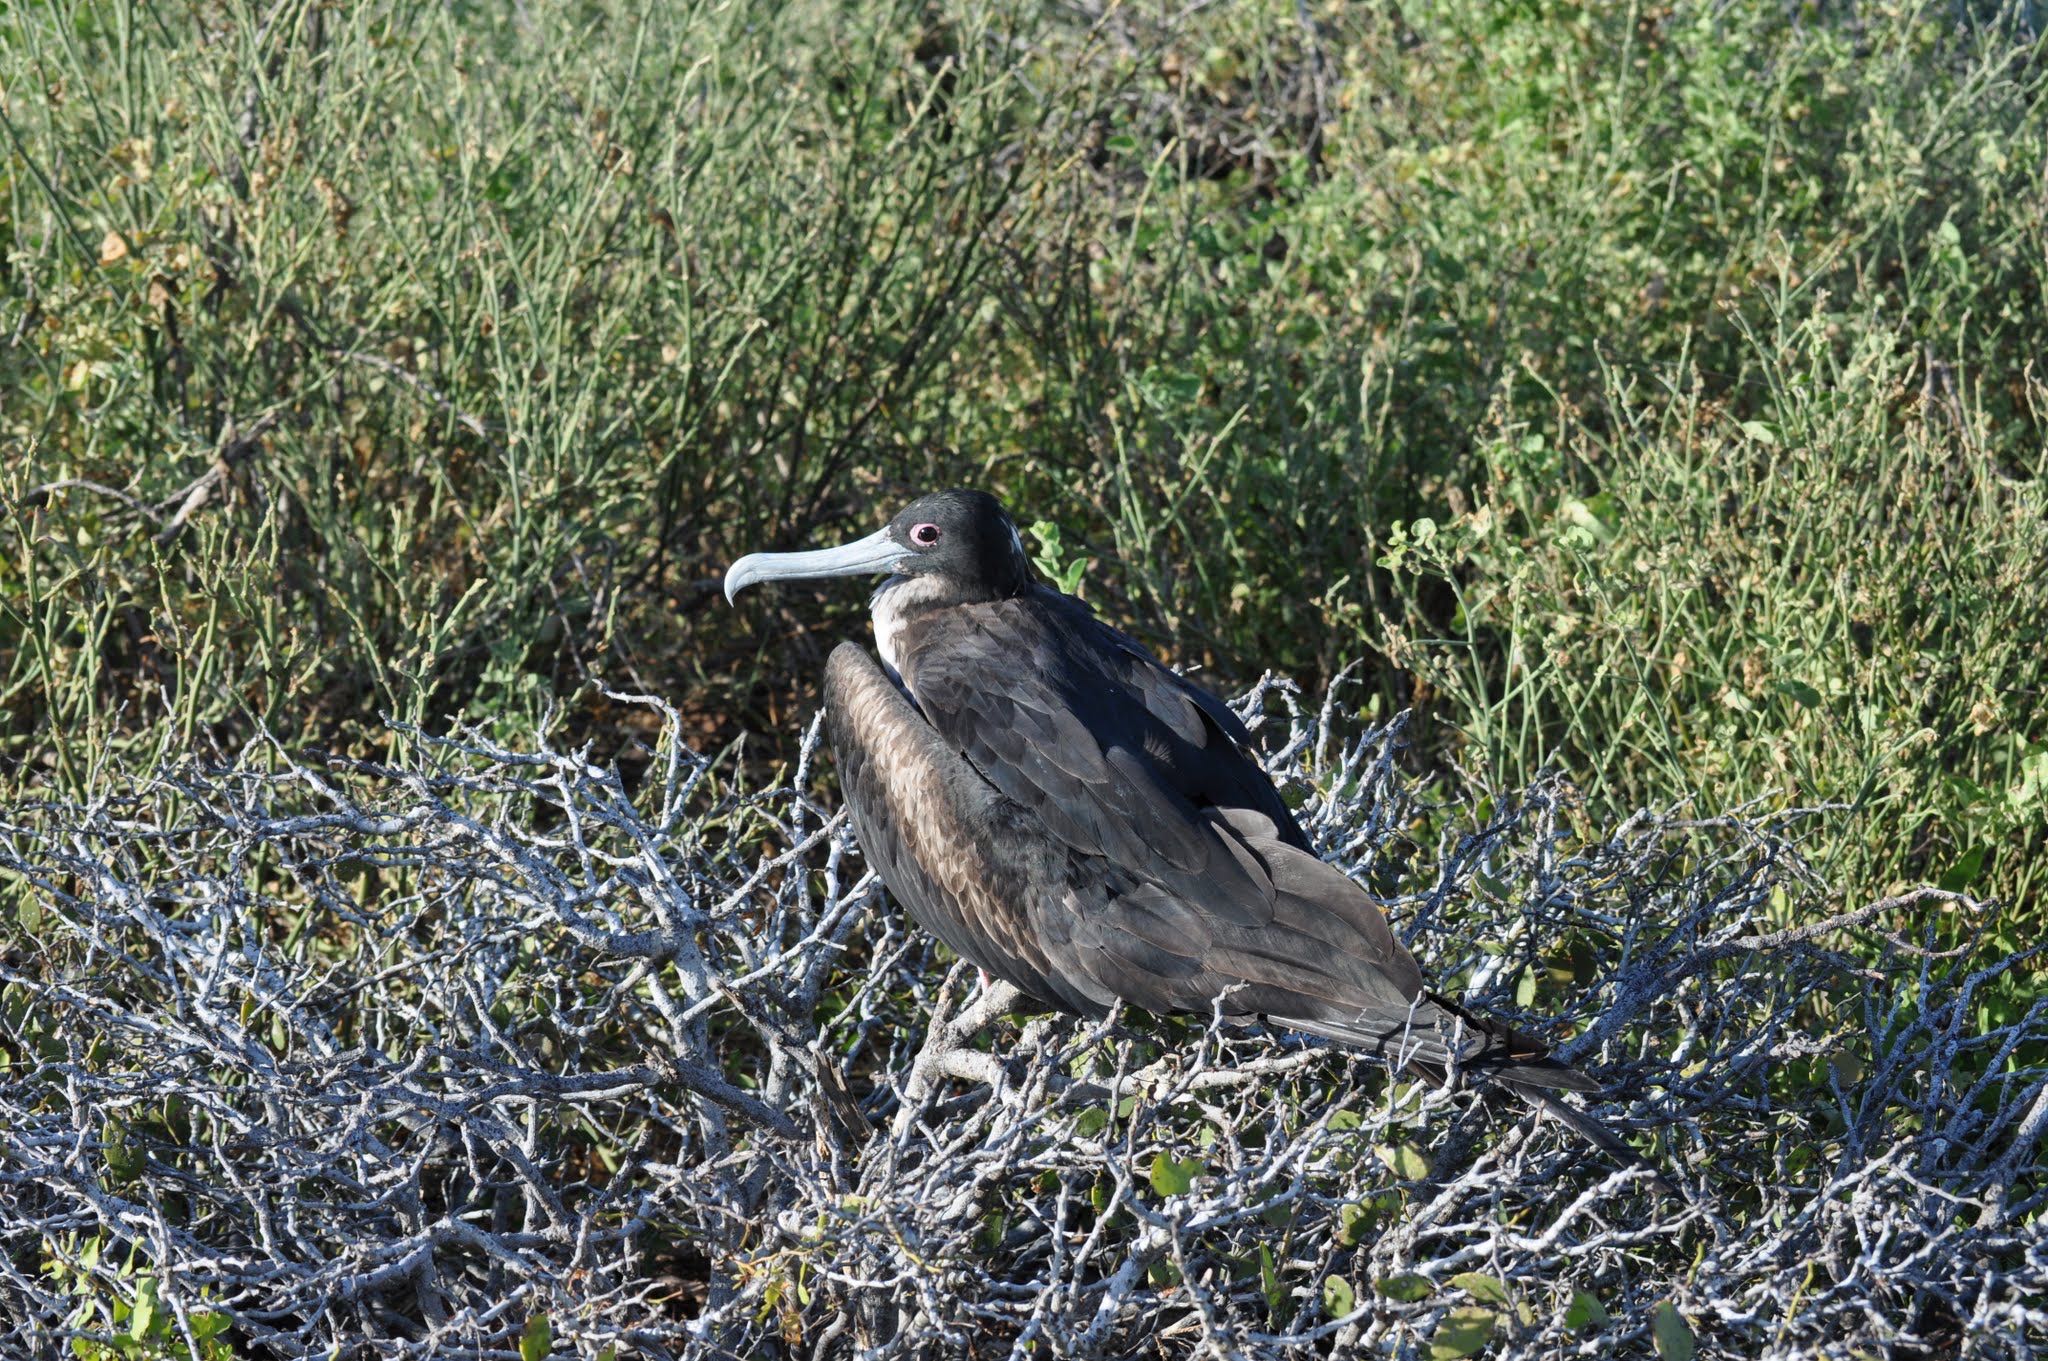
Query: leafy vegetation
{"points": [[1646, 391], [1649, 389]]}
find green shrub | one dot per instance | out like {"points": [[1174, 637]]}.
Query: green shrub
{"points": [[1836, 601], [415, 359]]}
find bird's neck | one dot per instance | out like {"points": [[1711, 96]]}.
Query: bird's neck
{"points": [[897, 601]]}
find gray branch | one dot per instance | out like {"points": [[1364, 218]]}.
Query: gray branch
{"points": [[365, 1060]]}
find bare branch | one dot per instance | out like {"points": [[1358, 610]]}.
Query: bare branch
{"points": [[384, 1060]]}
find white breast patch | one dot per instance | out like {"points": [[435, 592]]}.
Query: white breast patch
{"points": [[894, 601]]}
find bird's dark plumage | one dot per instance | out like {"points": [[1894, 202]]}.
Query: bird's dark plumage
{"points": [[1070, 815]]}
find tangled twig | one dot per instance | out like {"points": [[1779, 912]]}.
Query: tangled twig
{"points": [[333, 1058]]}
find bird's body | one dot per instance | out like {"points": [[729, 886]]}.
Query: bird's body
{"points": [[1075, 818], [1065, 812]]}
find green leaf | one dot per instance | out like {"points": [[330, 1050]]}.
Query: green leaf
{"points": [[123, 1161], [1406, 1288], [1586, 1311], [1354, 1221], [2033, 783], [1481, 1286], [1966, 791], [1965, 871], [1848, 1067], [1674, 1338], [1339, 1298], [1761, 433], [538, 1339], [1091, 1122], [1463, 1331], [1525, 987], [1172, 1176], [1271, 1286], [29, 914], [1799, 692], [143, 1319], [1406, 1161], [1590, 521]]}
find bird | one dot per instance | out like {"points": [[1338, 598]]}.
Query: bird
{"points": [[1075, 818]]}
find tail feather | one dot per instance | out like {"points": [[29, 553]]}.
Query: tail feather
{"points": [[1507, 1055], [1432, 1033], [1421, 1043], [1598, 1135]]}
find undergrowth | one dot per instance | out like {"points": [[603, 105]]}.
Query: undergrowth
{"points": [[1645, 390], [502, 1049]]}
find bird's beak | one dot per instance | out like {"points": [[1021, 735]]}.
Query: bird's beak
{"points": [[876, 553]]}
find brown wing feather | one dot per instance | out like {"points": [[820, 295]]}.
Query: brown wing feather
{"points": [[1073, 817], [1111, 752]]}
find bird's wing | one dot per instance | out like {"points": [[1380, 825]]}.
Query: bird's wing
{"points": [[919, 811], [1184, 891], [1212, 760], [1114, 755], [1175, 889], [1321, 950], [1187, 875], [1326, 963]]}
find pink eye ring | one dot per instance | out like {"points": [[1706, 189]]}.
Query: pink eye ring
{"points": [[925, 535]]}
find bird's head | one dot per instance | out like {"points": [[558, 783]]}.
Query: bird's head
{"points": [[963, 538]]}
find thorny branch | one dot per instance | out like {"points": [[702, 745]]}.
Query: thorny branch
{"points": [[336, 1058]]}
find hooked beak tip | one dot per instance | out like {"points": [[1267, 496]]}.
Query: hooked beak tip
{"points": [[736, 580]]}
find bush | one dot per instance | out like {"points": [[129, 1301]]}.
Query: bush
{"points": [[503, 1049], [418, 360], [1647, 395]]}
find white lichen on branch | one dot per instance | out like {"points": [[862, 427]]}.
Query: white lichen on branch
{"points": [[387, 1060]]}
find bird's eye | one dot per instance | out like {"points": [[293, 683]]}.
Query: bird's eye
{"points": [[925, 535]]}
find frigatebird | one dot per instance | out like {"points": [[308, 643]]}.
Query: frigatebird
{"points": [[1075, 818]]}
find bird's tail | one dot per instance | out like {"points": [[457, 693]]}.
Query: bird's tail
{"points": [[1524, 1066], [1596, 1134]]}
